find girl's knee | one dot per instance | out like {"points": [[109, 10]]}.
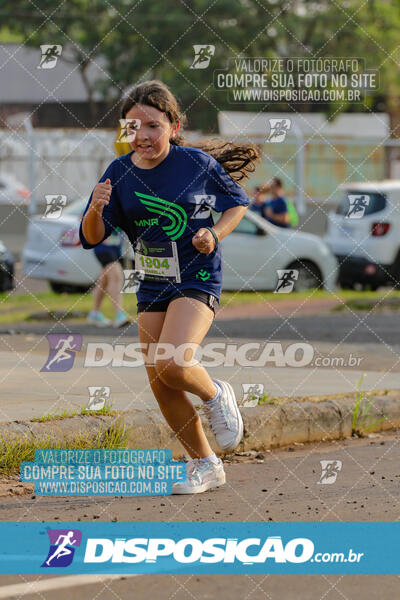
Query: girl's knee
{"points": [[170, 373]]}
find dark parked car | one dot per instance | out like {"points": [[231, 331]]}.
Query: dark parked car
{"points": [[6, 269]]}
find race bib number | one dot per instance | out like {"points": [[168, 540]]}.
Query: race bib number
{"points": [[159, 261]]}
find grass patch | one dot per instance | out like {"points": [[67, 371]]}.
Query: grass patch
{"points": [[106, 410], [67, 414], [267, 399], [12, 453], [391, 302], [16, 309], [362, 421], [253, 400], [238, 298]]}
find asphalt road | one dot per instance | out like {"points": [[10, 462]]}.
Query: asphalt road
{"points": [[284, 487], [352, 329], [357, 328], [347, 327]]}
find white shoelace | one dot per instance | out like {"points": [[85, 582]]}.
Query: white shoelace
{"points": [[218, 415]]}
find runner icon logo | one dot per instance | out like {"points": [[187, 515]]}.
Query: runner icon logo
{"points": [[286, 280], [50, 54], [62, 351], [54, 206], [357, 205], [202, 55], [330, 470], [98, 396], [252, 393], [128, 129], [132, 279], [204, 204], [61, 551], [278, 130]]}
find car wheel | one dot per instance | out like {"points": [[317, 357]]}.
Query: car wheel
{"points": [[67, 288], [309, 276]]}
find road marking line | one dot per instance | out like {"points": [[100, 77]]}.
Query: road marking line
{"points": [[56, 583]]}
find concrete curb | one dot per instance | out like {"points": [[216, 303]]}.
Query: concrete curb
{"points": [[269, 426]]}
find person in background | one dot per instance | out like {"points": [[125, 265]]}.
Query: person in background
{"points": [[259, 199], [276, 210], [110, 281]]}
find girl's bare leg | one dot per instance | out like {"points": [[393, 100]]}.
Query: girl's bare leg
{"points": [[174, 404], [186, 320]]}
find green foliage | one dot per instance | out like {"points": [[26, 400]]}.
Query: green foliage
{"points": [[68, 414], [143, 40], [12, 453], [267, 399], [362, 421]]}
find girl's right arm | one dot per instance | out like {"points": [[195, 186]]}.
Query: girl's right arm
{"points": [[93, 225]]}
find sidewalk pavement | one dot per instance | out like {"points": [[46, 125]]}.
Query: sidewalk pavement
{"points": [[265, 427], [312, 403], [26, 392]]}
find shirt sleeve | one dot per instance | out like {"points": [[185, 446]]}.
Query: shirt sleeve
{"points": [[227, 192], [112, 215]]}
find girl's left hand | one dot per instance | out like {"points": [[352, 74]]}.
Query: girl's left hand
{"points": [[203, 241]]}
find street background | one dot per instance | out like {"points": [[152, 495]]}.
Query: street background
{"points": [[65, 67]]}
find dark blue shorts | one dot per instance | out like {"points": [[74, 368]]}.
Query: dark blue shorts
{"points": [[162, 305], [109, 255]]}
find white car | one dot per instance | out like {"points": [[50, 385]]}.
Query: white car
{"points": [[13, 191], [253, 253], [364, 234], [53, 251]]}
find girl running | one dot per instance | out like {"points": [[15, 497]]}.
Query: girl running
{"points": [[161, 194]]}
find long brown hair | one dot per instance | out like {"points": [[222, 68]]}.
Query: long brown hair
{"points": [[237, 159]]}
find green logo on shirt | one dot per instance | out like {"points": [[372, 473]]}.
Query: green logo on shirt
{"points": [[203, 275], [146, 222], [172, 211], [142, 246]]}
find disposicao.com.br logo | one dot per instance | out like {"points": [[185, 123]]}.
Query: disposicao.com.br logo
{"points": [[192, 550]]}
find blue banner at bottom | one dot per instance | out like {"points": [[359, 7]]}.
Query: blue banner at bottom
{"points": [[149, 548]]}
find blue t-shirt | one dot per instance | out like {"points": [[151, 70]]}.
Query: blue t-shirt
{"points": [[170, 203], [113, 242], [278, 206], [258, 208]]}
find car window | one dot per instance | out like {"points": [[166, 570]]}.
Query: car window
{"points": [[354, 198], [247, 226]]}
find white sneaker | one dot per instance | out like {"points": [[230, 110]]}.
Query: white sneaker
{"points": [[200, 477], [224, 418]]}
